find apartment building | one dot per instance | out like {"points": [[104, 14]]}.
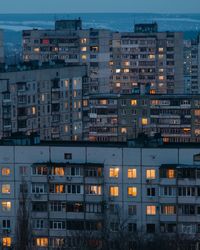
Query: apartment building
{"points": [[45, 99], [122, 117], [144, 61], [191, 66], [93, 187], [72, 44], [147, 61], [1, 47]]}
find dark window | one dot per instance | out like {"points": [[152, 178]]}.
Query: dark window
{"points": [[151, 228], [68, 156]]}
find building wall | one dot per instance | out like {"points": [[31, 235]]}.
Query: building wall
{"points": [[1, 47], [22, 159]]}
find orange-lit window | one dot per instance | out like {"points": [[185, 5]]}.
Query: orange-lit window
{"points": [[114, 191], [133, 102], [168, 209], [161, 78], [132, 191], [59, 171], [85, 103], [127, 63], [111, 63], [151, 210], [33, 110], [123, 130], [103, 102], [132, 173], [152, 91], [5, 171], [170, 173], [6, 206], [5, 189], [42, 242], [197, 112], [83, 40], [126, 70], [114, 172], [150, 173], [59, 188], [144, 121], [6, 241]]}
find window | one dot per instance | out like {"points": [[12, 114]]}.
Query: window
{"points": [[38, 188], [114, 191], [123, 130], [132, 209], [58, 171], [5, 171], [6, 224], [151, 228], [170, 173], [6, 206], [132, 191], [93, 208], [133, 102], [167, 191], [132, 227], [57, 225], [132, 173], [114, 172], [93, 172], [68, 156], [151, 191], [74, 189], [40, 170], [57, 188], [42, 242], [84, 57], [39, 207], [83, 48], [38, 224], [114, 226], [6, 241], [5, 189], [150, 173], [93, 189], [151, 210], [168, 209], [144, 121], [75, 171]]}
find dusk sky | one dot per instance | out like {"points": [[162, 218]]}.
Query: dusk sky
{"points": [[67, 6]]}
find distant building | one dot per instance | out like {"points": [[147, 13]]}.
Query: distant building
{"points": [[1, 47], [145, 61], [78, 192], [44, 99]]}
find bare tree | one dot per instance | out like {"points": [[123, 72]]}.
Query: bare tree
{"points": [[23, 226]]}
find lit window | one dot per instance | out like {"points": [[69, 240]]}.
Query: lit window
{"points": [[114, 191], [59, 188], [132, 173], [33, 110], [85, 103], [66, 83], [6, 206], [161, 78], [132, 191], [111, 63], [114, 172], [152, 56], [123, 130], [36, 49], [168, 209], [133, 102], [144, 121], [118, 71], [161, 70], [127, 63], [84, 57], [160, 49], [84, 49], [152, 91], [170, 173], [58, 171], [83, 40], [117, 84], [93, 189], [42, 242], [126, 70], [151, 210], [5, 171], [103, 102], [6, 241], [150, 173], [160, 56], [5, 188], [66, 128], [197, 112]]}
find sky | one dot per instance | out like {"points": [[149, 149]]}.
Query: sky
{"points": [[79, 6]]}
